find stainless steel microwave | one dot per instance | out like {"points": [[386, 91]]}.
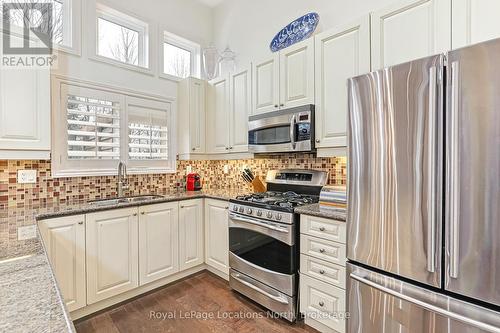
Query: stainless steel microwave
{"points": [[289, 130]]}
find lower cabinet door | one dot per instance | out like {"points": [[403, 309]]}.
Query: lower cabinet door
{"points": [[217, 235], [112, 253], [323, 303], [158, 241], [64, 240], [191, 245]]}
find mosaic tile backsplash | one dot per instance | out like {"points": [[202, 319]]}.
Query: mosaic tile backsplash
{"points": [[48, 189], [17, 201]]}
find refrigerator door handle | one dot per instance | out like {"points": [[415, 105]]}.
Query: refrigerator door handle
{"points": [[430, 307], [453, 172], [431, 204]]}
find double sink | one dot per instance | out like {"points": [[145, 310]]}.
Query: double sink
{"points": [[124, 200]]}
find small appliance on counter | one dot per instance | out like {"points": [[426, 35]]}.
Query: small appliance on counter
{"points": [[193, 182], [333, 197]]}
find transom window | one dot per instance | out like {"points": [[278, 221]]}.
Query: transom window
{"points": [[121, 37], [181, 57]]}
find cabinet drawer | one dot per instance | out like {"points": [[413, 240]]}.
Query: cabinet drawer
{"points": [[323, 228], [323, 249], [323, 303], [323, 270]]}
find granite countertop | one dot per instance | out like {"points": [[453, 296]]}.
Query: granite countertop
{"points": [[30, 300], [322, 211]]}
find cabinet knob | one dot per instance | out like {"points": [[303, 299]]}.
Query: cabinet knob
{"points": [[193, 149], [80, 223], [317, 141], [230, 147], [322, 250], [322, 272], [135, 214], [227, 148], [226, 207], [143, 213], [282, 105], [276, 105], [321, 303], [183, 206], [321, 228]]}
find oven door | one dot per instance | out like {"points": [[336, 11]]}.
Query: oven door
{"points": [[264, 250], [280, 132]]}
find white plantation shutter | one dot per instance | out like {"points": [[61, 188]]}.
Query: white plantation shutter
{"points": [[93, 127]]}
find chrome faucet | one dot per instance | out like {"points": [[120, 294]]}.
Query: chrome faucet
{"points": [[122, 179]]}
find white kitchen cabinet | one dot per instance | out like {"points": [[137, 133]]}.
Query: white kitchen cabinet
{"points": [[341, 53], [474, 21], [64, 240], [24, 110], [112, 253], [240, 88], [158, 241], [297, 74], [266, 85], [409, 30], [218, 115], [217, 235], [191, 117], [191, 235]]}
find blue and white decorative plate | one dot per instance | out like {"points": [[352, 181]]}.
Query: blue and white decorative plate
{"points": [[300, 29]]}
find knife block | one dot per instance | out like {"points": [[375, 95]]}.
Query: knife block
{"points": [[259, 186]]}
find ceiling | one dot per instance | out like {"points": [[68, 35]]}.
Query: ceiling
{"points": [[211, 3]]}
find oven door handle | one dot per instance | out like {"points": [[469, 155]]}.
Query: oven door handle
{"points": [[239, 278], [250, 220]]}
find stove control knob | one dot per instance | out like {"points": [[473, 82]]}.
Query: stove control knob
{"points": [[269, 215], [249, 211], [235, 208], [242, 209], [259, 213], [279, 217]]}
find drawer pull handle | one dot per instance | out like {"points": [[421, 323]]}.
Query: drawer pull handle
{"points": [[322, 271], [322, 250], [322, 229], [321, 303], [80, 223]]}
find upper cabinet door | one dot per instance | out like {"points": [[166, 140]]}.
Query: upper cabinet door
{"points": [[266, 85], [197, 115], [218, 112], [112, 253], [297, 74], [475, 21], [64, 239], [158, 241], [240, 109], [410, 30], [341, 53], [24, 108]]}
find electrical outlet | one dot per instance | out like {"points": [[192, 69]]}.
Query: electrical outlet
{"points": [[226, 169], [24, 233], [189, 169], [26, 176]]}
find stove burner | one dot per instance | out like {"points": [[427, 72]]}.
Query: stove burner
{"points": [[280, 199]]}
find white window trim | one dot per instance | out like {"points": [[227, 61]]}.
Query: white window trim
{"points": [[59, 147], [102, 10], [72, 27], [183, 43]]}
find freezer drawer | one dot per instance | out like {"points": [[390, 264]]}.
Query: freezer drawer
{"points": [[381, 304], [395, 169], [473, 173]]}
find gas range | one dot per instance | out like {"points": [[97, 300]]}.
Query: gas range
{"points": [[271, 205], [263, 239]]}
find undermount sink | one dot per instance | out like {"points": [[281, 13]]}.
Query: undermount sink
{"points": [[124, 200]]}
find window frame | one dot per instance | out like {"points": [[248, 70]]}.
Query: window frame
{"points": [[64, 167], [126, 20], [182, 43]]}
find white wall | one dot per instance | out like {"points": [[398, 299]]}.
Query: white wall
{"points": [[249, 26], [186, 18]]}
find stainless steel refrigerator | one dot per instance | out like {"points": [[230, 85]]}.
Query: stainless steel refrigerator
{"points": [[424, 195]]}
